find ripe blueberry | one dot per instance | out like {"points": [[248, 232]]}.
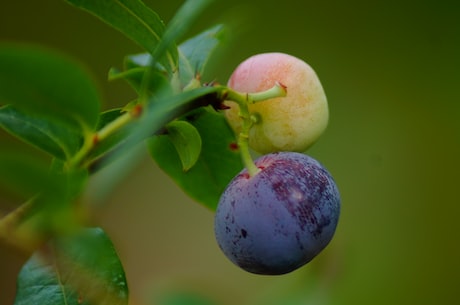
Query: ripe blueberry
{"points": [[281, 218]]}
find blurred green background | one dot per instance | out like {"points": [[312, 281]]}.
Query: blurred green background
{"points": [[391, 71]]}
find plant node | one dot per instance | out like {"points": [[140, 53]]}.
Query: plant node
{"points": [[244, 100]]}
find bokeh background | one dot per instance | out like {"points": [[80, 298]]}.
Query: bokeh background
{"points": [[391, 71]]}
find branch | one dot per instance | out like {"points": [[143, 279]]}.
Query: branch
{"points": [[15, 233]]}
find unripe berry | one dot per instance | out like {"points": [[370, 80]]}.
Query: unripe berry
{"points": [[291, 123], [281, 218]]}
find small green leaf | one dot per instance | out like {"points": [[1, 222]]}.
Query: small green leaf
{"points": [[187, 72], [196, 51], [187, 142], [134, 74], [137, 60], [50, 136], [136, 21], [218, 163], [80, 269], [48, 84]]}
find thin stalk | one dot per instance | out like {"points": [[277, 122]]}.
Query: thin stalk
{"points": [[244, 100], [92, 139], [10, 234]]}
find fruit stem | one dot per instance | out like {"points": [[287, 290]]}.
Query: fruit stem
{"points": [[244, 100], [243, 144], [278, 90]]}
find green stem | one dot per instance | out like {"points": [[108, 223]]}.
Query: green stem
{"points": [[243, 141], [92, 139], [113, 126], [244, 100], [243, 144], [278, 90]]}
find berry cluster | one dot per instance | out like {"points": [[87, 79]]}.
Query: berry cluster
{"points": [[282, 210]]}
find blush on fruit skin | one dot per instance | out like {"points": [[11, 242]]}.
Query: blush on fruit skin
{"points": [[290, 123], [281, 218]]}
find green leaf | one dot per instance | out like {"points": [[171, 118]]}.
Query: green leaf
{"points": [[196, 51], [193, 57], [135, 74], [187, 142], [27, 178], [137, 60], [68, 182], [48, 84], [24, 175], [162, 109], [57, 211], [80, 269], [137, 22], [132, 149], [218, 163], [182, 21], [50, 136]]}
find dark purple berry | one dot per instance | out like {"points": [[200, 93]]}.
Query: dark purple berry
{"points": [[279, 219]]}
